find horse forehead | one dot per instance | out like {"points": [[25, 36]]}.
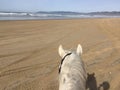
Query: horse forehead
{"points": [[72, 57]]}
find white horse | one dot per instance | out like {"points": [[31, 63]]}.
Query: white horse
{"points": [[72, 73]]}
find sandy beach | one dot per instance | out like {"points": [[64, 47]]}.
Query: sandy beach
{"points": [[29, 57]]}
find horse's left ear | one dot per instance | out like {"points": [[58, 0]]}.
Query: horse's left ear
{"points": [[61, 51], [79, 49]]}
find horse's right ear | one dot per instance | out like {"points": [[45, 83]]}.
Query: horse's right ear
{"points": [[61, 51], [79, 49]]}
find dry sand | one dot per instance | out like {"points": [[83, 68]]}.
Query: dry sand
{"points": [[29, 59]]}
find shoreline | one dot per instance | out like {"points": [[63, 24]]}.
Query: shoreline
{"points": [[32, 18]]}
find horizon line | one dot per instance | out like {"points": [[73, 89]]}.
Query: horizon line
{"points": [[61, 11]]}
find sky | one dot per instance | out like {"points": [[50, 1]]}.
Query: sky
{"points": [[59, 5]]}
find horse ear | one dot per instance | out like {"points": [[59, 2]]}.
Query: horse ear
{"points": [[79, 49], [61, 51]]}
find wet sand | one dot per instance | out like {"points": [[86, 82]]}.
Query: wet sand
{"points": [[29, 59]]}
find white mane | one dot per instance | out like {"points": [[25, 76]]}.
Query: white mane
{"points": [[72, 75]]}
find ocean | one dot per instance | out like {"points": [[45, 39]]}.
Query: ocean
{"points": [[44, 16]]}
